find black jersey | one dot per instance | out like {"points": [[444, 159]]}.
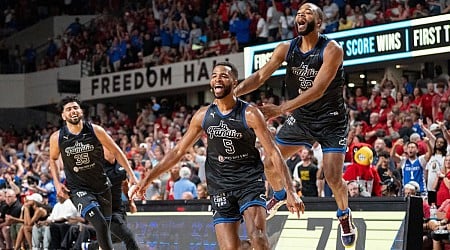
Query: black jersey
{"points": [[232, 160], [116, 175], [302, 69], [82, 155]]}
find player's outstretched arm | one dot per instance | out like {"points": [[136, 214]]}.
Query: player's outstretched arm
{"points": [[173, 156], [258, 78], [109, 144]]}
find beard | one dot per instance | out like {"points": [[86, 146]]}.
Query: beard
{"points": [[74, 121], [309, 28], [226, 91]]}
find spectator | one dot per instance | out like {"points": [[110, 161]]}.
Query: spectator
{"points": [[331, 12], [200, 159], [421, 144], [345, 23], [412, 165], [306, 172], [406, 104], [45, 186], [61, 212], [407, 84], [262, 30], [174, 177], [202, 191], [440, 75], [373, 128], [51, 49], [411, 189], [384, 170], [183, 184], [273, 16], [13, 209], [33, 211], [380, 149], [30, 55], [287, 24], [240, 25], [223, 11], [443, 109], [442, 184], [364, 112], [419, 11], [402, 12], [360, 97], [114, 55], [292, 162], [353, 189], [153, 192], [423, 81], [407, 128], [74, 29]]}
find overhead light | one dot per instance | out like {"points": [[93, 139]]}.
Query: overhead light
{"points": [[351, 85], [362, 76], [397, 66], [373, 82]]}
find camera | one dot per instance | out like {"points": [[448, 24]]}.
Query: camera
{"points": [[33, 180]]}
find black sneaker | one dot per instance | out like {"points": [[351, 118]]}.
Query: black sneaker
{"points": [[272, 207], [349, 232]]}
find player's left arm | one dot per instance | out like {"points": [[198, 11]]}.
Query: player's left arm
{"points": [[278, 175], [333, 56], [109, 144], [256, 121]]}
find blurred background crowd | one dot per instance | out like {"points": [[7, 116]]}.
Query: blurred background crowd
{"points": [[398, 117], [133, 34]]}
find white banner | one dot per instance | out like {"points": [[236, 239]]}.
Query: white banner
{"points": [[159, 78]]}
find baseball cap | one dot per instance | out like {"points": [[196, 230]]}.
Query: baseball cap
{"points": [[35, 197], [434, 127]]}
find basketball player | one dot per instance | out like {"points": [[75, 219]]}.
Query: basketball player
{"points": [[234, 171], [80, 144], [314, 83]]}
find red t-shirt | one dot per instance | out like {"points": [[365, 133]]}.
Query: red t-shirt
{"points": [[443, 192], [427, 105]]}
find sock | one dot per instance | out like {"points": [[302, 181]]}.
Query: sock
{"points": [[343, 212], [280, 195]]}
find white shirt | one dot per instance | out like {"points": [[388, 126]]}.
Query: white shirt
{"points": [[262, 28], [434, 167], [63, 211]]}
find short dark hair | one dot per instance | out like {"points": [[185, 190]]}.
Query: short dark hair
{"points": [[319, 13], [234, 70], [384, 154], [411, 142], [66, 100]]}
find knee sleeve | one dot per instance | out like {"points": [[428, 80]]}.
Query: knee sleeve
{"points": [[101, 225]]}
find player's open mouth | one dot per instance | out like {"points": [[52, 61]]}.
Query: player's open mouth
{"points": [[301, 24]]}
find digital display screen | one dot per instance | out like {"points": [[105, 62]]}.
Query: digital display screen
{"points": [[392, 41], [186, 230]]}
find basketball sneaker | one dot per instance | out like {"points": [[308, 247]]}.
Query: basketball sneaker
{"points": [[272, 207], [348, 230]]}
